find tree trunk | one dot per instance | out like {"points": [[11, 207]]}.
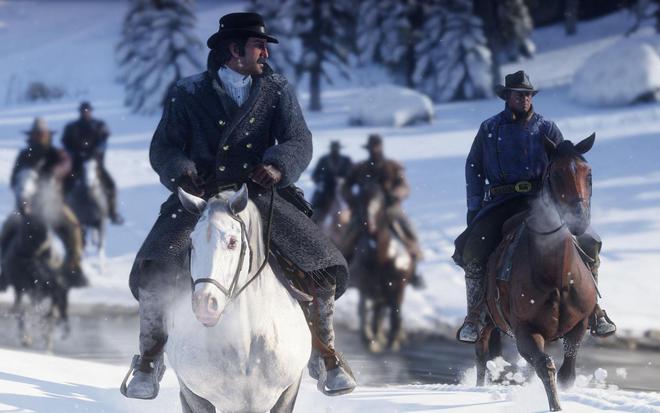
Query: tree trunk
{"points": [[315, 89], [571, 16], [316, 69]]}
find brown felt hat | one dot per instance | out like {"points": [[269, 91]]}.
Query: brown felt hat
{"points": [[518, 82], [236, 25]]}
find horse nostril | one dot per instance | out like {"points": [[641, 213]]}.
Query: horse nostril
{"points": [[213, 304]]}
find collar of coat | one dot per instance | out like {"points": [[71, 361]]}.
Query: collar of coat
{"points": [[509, 116]]}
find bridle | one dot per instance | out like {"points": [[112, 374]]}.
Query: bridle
{"points": [[233, 291], [547, 186]]}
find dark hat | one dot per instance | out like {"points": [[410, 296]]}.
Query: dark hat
{"points": [[235, 25], [85, 106], [374, 140], [518, 82], [38, 126], [335, 144]]}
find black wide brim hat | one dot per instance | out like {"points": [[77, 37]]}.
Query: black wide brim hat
{"points": [[240, 25], [516, 82]]}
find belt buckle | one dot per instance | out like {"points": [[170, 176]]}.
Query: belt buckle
{"points": [[523, 186]]}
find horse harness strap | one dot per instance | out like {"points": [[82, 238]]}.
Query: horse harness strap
{"points": [[233, 291]]}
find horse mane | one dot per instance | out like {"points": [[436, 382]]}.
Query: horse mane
{"points": [[252, 219]]}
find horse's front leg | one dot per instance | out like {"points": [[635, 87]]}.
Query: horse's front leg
{"points": [[483, 354], [572, 340], [396, 334], [531, 346]]}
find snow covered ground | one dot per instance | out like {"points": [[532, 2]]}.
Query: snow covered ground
{"points": [[47, 384], [75, 52]]}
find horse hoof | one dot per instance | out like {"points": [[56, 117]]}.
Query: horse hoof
{"points": [[375, 347]]}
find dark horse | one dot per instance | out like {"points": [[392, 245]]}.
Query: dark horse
{"points": [[88, 201], [382, 266], [551, 292], [31, 260]]}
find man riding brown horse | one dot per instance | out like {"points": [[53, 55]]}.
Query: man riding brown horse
{"points": [[503, 172], [389, 175], [328, 171], [238, 122]]}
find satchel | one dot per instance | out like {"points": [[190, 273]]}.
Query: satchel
{"points": [[296, 197]]}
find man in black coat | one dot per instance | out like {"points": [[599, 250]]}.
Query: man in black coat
{"points": [[329, 169], [236, 122], [52, 165], [85, 139]]}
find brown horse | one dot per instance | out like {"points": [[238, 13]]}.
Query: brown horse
{"points": [[382, 267], [551, 292]]}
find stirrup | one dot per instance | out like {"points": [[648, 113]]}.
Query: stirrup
{"points": [[135, 365], [594, 325], [470, 320]]}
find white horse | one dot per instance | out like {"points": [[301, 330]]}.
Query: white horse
{"points": [[89, 202], [244, 345]]}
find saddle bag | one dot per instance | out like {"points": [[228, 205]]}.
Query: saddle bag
{"points": [[296, 197]]}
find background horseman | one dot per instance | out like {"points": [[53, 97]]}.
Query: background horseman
{"points": [[52, 165], [330, 168], [85, 139], [237, 122], [508, 153], [390, 177]]}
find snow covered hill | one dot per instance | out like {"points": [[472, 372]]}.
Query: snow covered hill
{"points": [[47, 384], [75, 52]]}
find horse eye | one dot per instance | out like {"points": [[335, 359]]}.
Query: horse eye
{"points": [[232, 243]]}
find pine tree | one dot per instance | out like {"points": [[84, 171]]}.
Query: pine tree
{"points": [[315, 34], [156, 49], [453, 59], [515, 25], [389, 31]]}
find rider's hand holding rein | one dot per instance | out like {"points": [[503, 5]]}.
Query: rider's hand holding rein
{"points": [[190, 182], [266, 175]]}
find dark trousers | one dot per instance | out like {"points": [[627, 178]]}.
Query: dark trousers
{"points": [[486, 233]]}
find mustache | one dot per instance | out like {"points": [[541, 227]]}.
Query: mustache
{"points": [[261, 60]]}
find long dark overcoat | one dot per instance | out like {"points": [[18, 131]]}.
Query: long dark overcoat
{"points": [[202, 129]]}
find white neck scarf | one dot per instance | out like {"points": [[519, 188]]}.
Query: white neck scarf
{"points": [[235, 84]]}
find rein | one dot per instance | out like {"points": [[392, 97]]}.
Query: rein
{"points": [[232, 292]]}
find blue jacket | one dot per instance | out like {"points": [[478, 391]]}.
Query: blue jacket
{"points": [[506, 151]]}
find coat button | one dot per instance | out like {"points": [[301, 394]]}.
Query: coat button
{"points": [[225, 148], [221, 168], [252, 120], [249, 146], [221, 122], [247, 133], [245, 166]]}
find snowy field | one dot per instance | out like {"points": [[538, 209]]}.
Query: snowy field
{"points": [[75, 52], [48, 384]]}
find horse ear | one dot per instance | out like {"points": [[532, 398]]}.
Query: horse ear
{"points": [[549, 145], [238, 202], [584, 146], [193, 204]]}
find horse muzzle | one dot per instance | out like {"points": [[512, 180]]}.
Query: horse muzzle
{"points": [[208, 306]]}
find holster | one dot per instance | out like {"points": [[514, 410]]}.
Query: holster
{"points": [[296, 197]]}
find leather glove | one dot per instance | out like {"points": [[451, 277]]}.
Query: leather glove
{"points": [[190, 182], [266, 175], [471, 215]]}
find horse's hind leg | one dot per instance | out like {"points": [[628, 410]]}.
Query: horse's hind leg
{"points": [[572, 340], [287, 400], [365, 308], [483, 353], [396, 334], [192, 403], [531, 346]]}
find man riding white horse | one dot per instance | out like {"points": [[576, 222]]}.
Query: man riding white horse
{"points": [[51, 165], [236, 122], [503, 174]]}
